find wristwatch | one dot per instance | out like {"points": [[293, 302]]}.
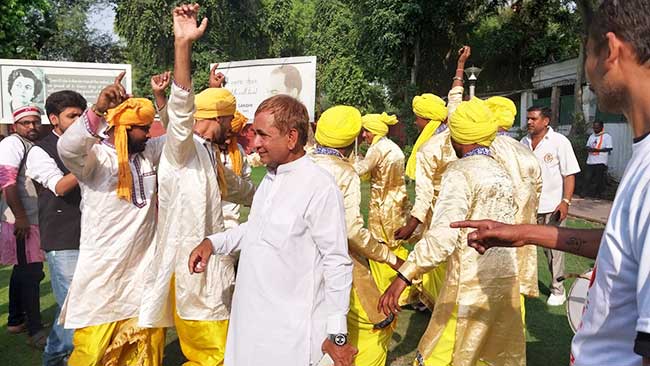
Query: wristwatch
{"points": [[567, 201], [339, 339]]}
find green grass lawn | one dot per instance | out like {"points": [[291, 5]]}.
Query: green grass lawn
{"points": [[548, 332]]}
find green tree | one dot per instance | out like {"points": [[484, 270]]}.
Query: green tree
{"points": [[24, 28]]}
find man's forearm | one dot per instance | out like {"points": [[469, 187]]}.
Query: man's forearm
{"points": [[182, 64], [13, 200], [568, 185], [582, 242]]}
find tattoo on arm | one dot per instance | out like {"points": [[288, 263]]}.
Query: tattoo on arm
{"points": [[575, 244]]}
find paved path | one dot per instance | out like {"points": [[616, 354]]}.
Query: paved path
{"points": [[595, 210]]}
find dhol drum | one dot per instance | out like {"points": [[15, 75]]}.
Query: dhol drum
{"points": [[577, 299]]}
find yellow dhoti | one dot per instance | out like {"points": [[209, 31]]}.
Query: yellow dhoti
{"points": [[120, 343], [384, 274], [203, 342], [371, 343]]}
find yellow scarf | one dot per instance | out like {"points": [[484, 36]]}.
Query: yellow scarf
{"points": [[234, 154], [378, 124], [425, 135]]}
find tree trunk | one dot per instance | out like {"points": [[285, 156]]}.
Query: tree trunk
{"points": [[416, 61], [555, 106], [579, 123]]}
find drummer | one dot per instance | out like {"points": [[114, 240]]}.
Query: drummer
{"points": [[615, 329]]}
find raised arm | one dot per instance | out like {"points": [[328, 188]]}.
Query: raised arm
{"points": [[455, 96], [159, 85]]}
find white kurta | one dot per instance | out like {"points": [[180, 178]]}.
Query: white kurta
{"points": [[189, 210], [116, 235], [295, 275], [231, 209]]}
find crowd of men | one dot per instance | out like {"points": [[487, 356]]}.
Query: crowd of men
{"points": [[141, 233]]}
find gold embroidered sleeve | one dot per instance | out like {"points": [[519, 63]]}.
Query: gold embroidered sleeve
{"points": [[369, 162], [425, 170], [359, 239], [440, 241]]}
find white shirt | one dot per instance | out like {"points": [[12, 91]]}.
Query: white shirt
{"points": [[12, 152], [618, 305], [230, 209], [295, 274], [42, 168], [594, 141], [557, 160], [116, 235]]}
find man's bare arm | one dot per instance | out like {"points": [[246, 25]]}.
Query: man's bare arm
{"points": [[66, 184], [582, 242]]}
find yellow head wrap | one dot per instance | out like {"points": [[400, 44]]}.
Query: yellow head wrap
{"points": [[132, 112], [472, 123], [429, 106], [236, 126], [338, 126], [378, 124], [214, 102], [503, 111]]}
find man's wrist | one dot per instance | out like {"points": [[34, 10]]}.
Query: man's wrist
{"points": [[567, 201], [339, 339]]}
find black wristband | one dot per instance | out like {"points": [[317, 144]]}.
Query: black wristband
{"points": [[403, 278]]}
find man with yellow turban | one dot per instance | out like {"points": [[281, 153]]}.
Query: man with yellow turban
{"points": [[431, 160], [476, 320], [523, 167], [118, 184], [193, 184], [368, 329], [388, 205], [233, 158]]}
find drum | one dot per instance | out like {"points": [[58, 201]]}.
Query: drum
{"points": [[577, 299]]}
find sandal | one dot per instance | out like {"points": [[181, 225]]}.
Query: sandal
{"points": [[38, 340]]}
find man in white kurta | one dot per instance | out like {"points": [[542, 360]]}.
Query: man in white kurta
{"points": [[295, 275], [116, 234]]}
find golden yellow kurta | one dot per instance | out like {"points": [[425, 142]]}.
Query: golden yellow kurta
{"points": [[482, 289], [363, 315], [523, 167], [389, 202]]}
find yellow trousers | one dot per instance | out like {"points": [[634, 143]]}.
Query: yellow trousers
{"points": [[372, 344], [432, 283], [203, 342], [443, 352], [384, 274], [120, 343]]}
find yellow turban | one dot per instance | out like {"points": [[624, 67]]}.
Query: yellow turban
{"points": [[132, 112], [429, 106], [338, 126], [472, 123], [214, 102], [236, 126], [503, 111], [378, 124]]}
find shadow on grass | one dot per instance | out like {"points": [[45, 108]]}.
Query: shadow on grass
{"points": [[548, 333], [406, 338], [173, 354]]}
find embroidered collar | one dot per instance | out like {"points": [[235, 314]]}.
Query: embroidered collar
{"points": [[503, 133], [481, 150], [327, 151], [441, 128]]}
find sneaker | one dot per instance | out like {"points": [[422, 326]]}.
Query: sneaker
{"points": [[556, 300]]}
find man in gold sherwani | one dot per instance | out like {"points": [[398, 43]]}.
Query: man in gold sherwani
{"points": [[477, 319], [389, 202], [523, 167], [369, 330]]}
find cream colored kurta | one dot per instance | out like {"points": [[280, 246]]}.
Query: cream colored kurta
{"points": [[116, 235], [231, 209], [483, 288], [388, 199], [189, 210], [523, 167], [361, 244]]}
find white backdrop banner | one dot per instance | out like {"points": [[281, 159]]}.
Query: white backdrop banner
{"points": [[25, 82], [253, 81]]}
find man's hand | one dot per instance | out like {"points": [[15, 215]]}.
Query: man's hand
{"points": [[216, 80], [185, 28], [463, 54], [200, 256], [490, 234], [112, 95], [406, 231], [342, 355], [389, 301], [160, 83], [21, 227], [563, 208]]}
